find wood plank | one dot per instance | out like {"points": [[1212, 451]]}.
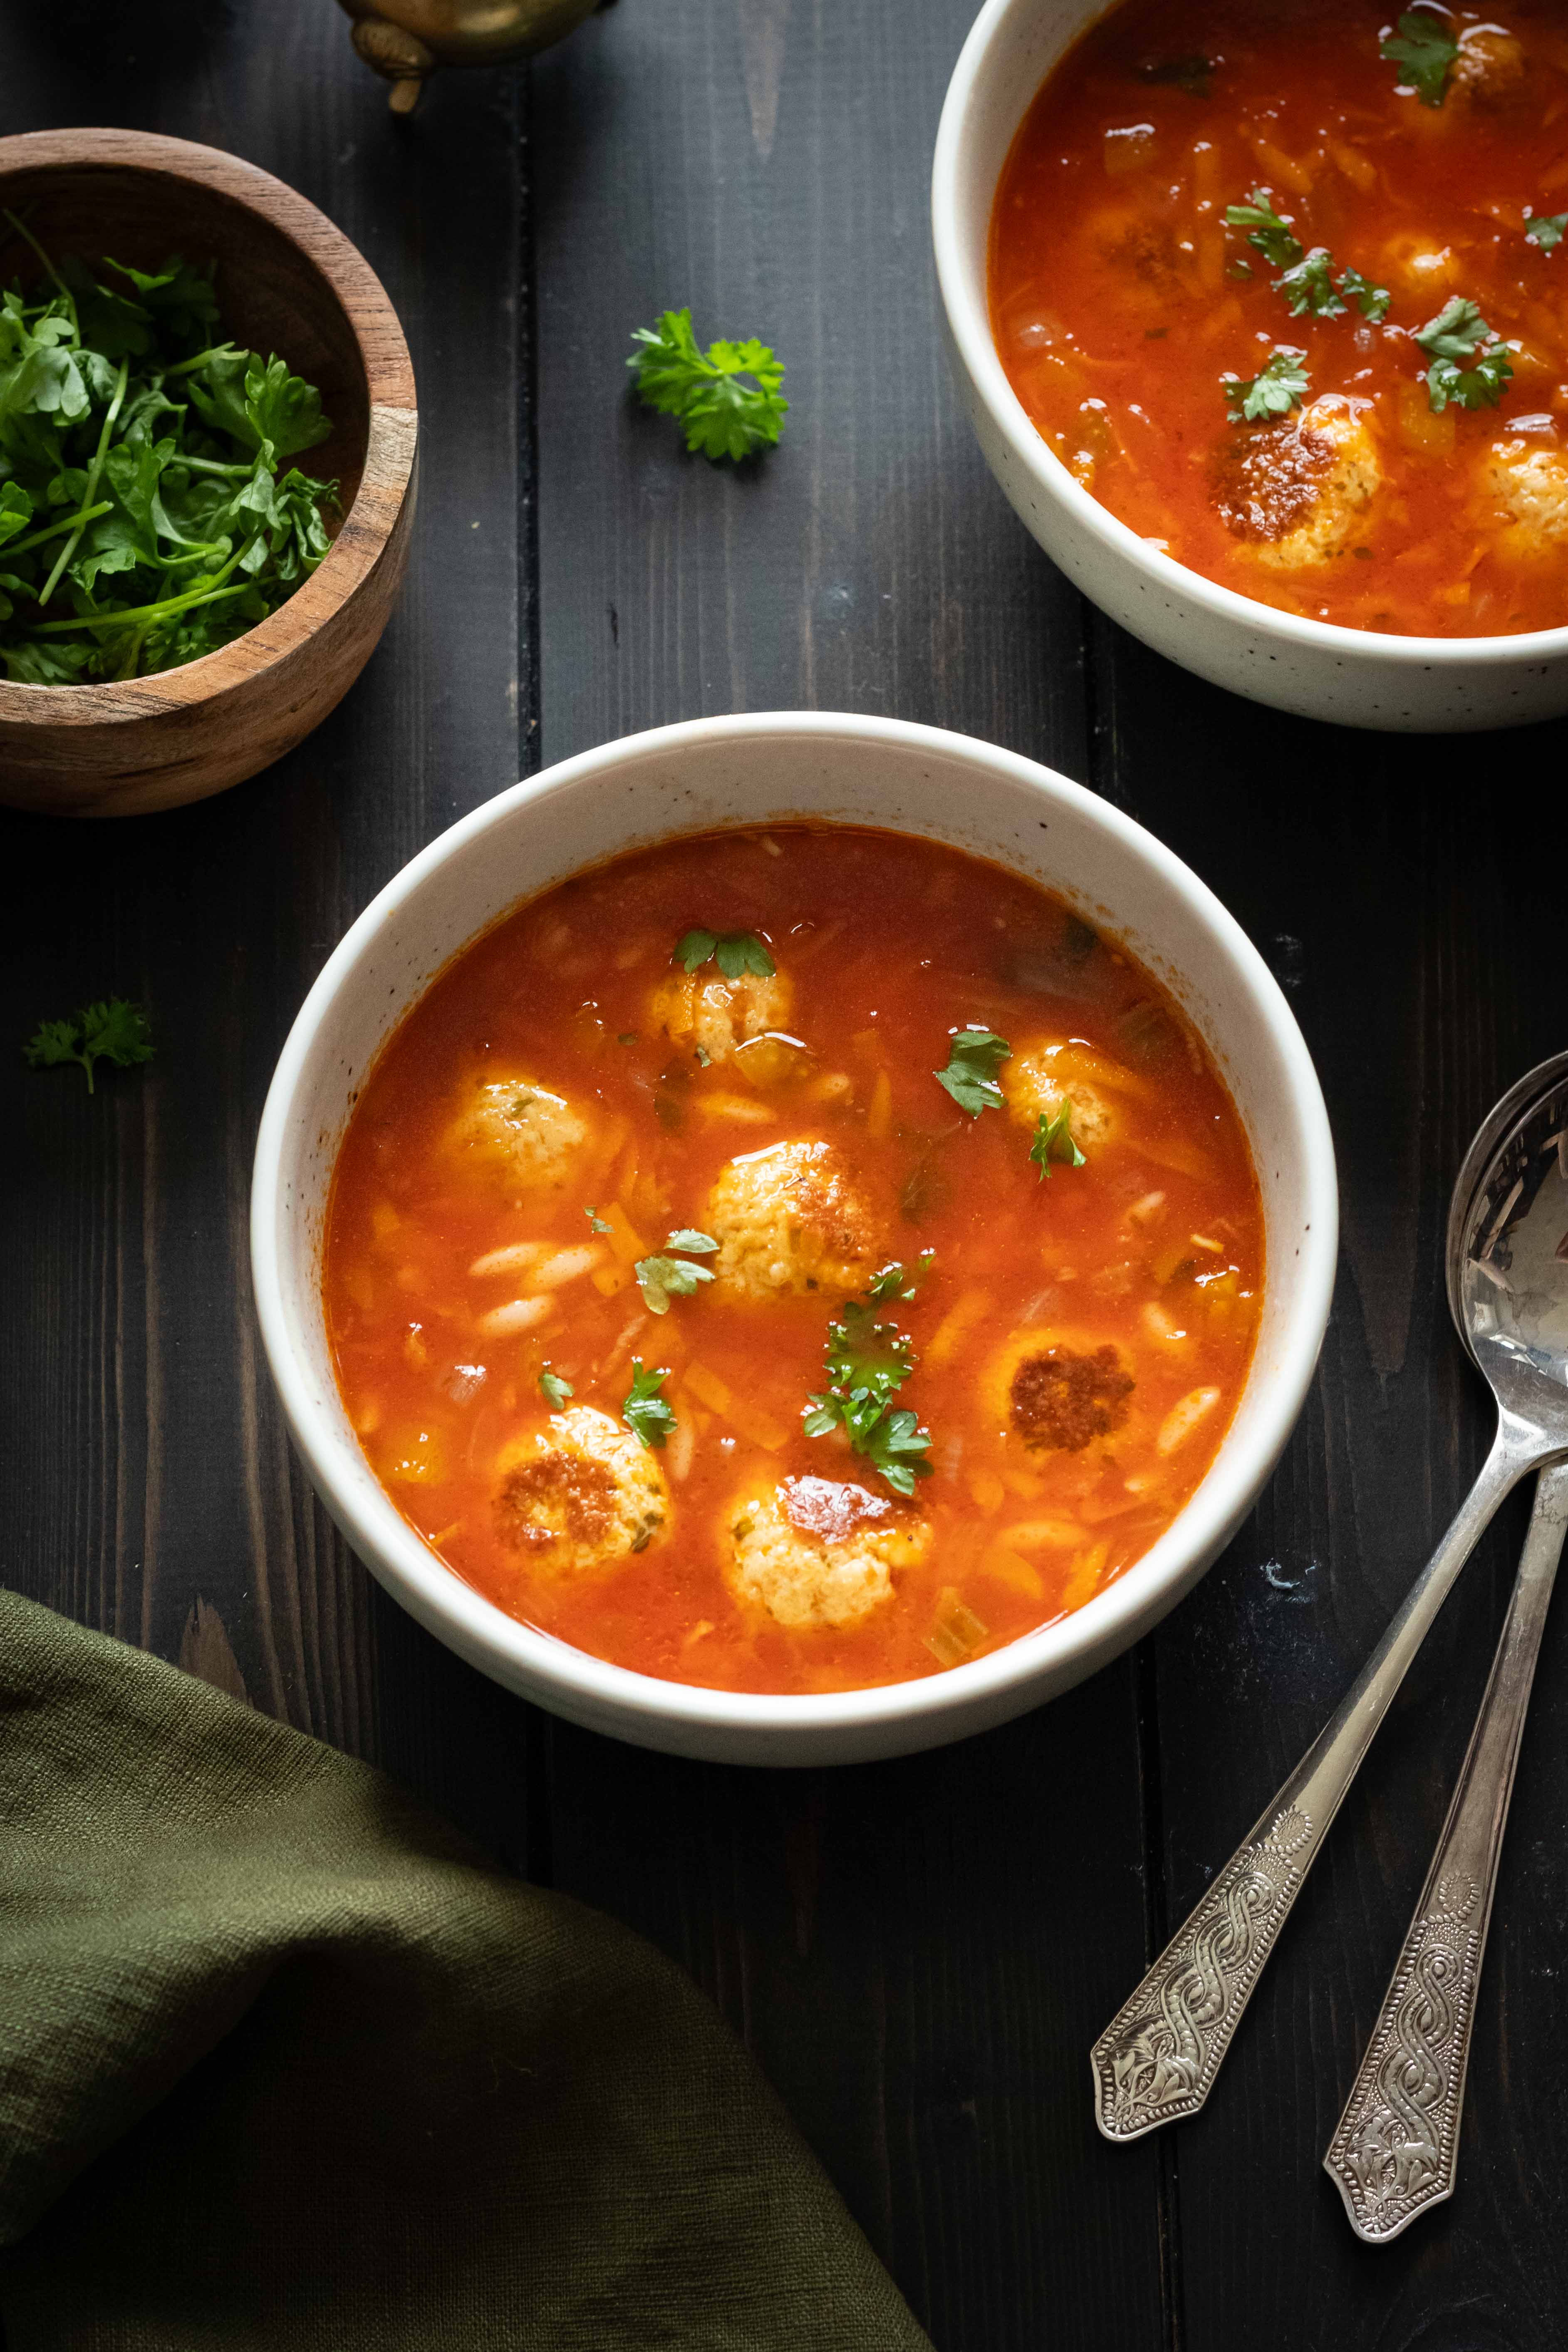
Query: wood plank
{"points": [[1402, 927], [916, 1950], [131, 1380]]}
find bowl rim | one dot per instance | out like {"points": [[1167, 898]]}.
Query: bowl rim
{"points": [[391, 437], [968, 313], [460, 1615]]}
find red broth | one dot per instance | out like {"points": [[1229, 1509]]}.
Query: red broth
{"points": [[1121, 301], [548, 1116]]}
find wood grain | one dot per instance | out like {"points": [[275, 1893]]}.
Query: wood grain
{"points": [[288, 282]]}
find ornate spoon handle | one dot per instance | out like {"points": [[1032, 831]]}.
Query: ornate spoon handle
{"points": [[1158, 2057], [1396, 2150]]}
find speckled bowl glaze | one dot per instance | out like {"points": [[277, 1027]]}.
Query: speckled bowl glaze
{"points": [[750, 771], [1410, 684]]}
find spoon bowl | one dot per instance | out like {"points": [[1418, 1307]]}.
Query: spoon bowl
{"points": [[1498, 1123], [1513, 1275]]}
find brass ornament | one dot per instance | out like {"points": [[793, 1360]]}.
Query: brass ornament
{"points": [[405, 40]]}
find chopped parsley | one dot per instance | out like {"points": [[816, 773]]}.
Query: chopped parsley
{"points": [[1545, 229], [1459, 332], [554, 1387], [868, 1363], [735, 953], [596, 1222], [1373, 301], [728, 401], [1274, 391], [113, 1032], [970, 1077], [1054, 1140], [1269, 231], [1310, 287], [1307, 279], [660, 1279], [1194, 74], [1424, 49], [897, 1280], [645, 1412]]}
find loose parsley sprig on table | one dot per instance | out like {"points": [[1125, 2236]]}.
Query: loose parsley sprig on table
{"points": [[645, 1412], [1546, 230], [728, 401], [969, 1077], [1054, 1139], [735, 953], [1274, 391], [113, 1032], [1459, 332], [146, 513], [660, 1279], [868, 1363], [1424, 49]]}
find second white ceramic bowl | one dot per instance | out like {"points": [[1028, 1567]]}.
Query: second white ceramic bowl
{"points": [[751, 770], [1361, 679]]}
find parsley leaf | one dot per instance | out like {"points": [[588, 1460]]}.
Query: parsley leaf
{"points": [[1273, 392], [1545, 229], [114, 1031], [1308, 286], [645, 1412], [730, 401], [1267, 229], [1373, 301], [866, 1363], [596, 1222], [734, 952], [897, 1280], [1054, 1140], [1424, 49], [660, 1279], [554, 1387], [970, 1077], [1459, 332]]}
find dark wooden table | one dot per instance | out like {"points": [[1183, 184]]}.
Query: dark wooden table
{"points": [[920, 1953]]}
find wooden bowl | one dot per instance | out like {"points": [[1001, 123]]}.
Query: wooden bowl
{"points": [[287, 281]]}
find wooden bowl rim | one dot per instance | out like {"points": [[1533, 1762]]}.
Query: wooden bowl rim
{"points": [[390, 442]]}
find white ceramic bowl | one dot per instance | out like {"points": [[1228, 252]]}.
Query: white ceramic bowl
{"points": [[1354, 675], [725, 771]]}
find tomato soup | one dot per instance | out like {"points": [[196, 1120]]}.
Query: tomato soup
{"points": [[792, 1261], [1283, 286]]}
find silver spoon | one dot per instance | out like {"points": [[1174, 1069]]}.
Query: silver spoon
{"points": [[1395, 2150], [1158, 2058]]}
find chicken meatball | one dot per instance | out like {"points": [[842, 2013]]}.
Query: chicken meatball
{"points": [[1059, 1390], [707, 1016], [579, 1496], [1052, 1071], [811, 1551], [1531, 488], [790, 1220], [529, 1134], [1301, 492], [1489, 70]]}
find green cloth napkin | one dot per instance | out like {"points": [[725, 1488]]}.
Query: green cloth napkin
{"points": [[285, 2064]]}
